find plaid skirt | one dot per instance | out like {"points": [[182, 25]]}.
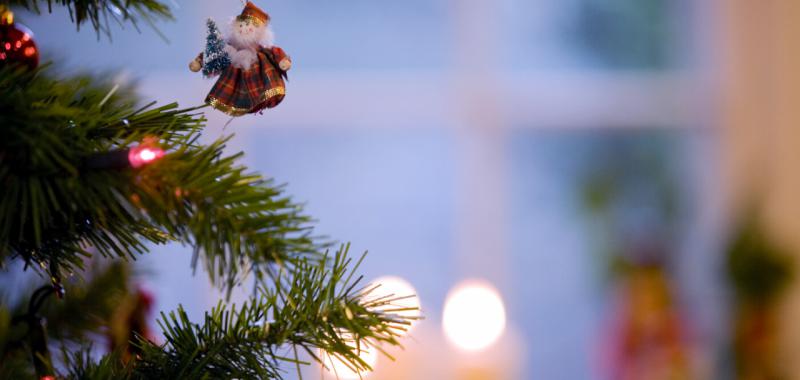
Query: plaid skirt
{"points": [[239, 92]]}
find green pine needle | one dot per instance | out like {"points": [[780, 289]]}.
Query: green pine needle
{"points": [[99, 12], [54, 208], [316, 310], [57, 212]]}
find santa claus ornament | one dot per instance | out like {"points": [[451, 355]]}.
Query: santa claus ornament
{"points": [[251, 70]]}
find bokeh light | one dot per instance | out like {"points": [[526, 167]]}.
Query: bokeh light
{"points": [[341, 370], [474, 316], [402, 296]]}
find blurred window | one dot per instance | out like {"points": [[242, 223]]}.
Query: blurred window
{"points": [[597, 34], [366, 34]]}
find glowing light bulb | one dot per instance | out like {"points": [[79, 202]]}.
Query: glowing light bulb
{"points": [[147, 155], [6, 16], [339, 369], [402, 297], [143, 155], [474, 316]]}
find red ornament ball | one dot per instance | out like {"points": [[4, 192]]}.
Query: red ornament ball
{"points": [[16, 43]]}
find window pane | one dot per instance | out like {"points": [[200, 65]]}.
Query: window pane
{"points": [[616, 34], [565, 301]]}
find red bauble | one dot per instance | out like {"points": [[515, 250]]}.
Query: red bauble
{"points": [[16, 43]]}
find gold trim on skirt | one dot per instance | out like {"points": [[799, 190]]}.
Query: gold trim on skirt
{"points": [[234, 111]]}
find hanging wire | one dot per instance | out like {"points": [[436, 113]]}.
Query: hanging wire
{"points": [[226, 124]]}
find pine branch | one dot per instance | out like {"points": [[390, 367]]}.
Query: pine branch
{"points": [[109, 367], [55, 207], [52, 208], [76, 319], [238, 222], [88, 305], [14, 359], [59, 207], [316, 307], [99, 12]]}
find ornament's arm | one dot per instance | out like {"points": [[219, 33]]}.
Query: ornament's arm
{"points": [[197, 64], [284, 61]]}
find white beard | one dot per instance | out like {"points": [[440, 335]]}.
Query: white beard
{"points": [[243, 48]]}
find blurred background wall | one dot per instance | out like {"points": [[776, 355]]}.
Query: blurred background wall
{"points": [[537, 145], [760, 130]]}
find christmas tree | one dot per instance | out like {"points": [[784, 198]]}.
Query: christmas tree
{"points": [[215, 58], [92, 177]]}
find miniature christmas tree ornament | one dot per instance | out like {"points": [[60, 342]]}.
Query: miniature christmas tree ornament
{"points": [[252, 71]]}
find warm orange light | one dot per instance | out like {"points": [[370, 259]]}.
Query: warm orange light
{"points": [[6, 16], [29, 51]]}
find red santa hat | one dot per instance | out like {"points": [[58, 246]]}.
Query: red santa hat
{"points": [[254, 14]]}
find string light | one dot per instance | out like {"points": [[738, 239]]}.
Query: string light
{"points": [[126, 158], [143, 155]]}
